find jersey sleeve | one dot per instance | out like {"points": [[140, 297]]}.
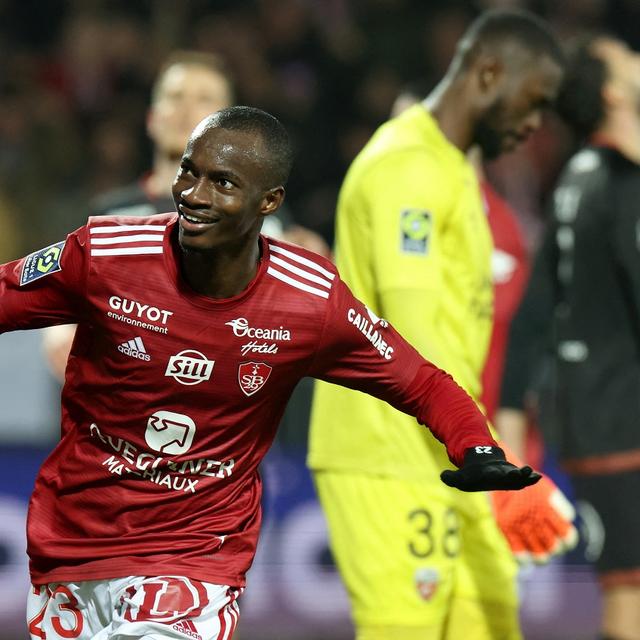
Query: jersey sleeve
{"points": [[363, 352], [409, 200], [46, 287]]}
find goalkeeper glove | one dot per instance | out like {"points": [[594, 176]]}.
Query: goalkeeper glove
{"points": [[536, 522], [485, 468]]}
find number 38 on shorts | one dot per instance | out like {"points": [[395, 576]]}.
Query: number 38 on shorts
{"points": [[431, 533]]}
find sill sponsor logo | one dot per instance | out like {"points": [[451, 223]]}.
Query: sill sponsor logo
{"points": [[189, 367]]}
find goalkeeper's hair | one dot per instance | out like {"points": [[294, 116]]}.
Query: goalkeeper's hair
{"points": [[496, 29], [580, 102]]}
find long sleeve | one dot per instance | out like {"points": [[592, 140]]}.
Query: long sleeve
{"points": [[363, 352], [44, 288]]}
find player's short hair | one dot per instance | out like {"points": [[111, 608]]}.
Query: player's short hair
{"points": [[580, 102], [188, 58], [496, 28], [275, 137]]}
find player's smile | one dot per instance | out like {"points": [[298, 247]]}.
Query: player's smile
{"points": [[194, 221]]}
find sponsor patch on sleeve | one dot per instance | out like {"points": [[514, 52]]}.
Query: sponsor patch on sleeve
{"points": [[415, 229], [41, 263]]}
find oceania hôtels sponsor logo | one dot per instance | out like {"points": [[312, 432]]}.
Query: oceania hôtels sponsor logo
{"points": [[242, 328]]}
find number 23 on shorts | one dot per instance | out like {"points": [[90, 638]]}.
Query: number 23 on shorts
{"points": [[65, 603]]}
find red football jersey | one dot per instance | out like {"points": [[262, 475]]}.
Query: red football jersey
{"points": [[172, 398], [510, 269]]}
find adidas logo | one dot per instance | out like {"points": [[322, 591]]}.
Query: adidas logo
{"points": [[188, 628], [135, 349]]}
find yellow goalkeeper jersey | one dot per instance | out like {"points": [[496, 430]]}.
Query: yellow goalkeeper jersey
{"points": [[414, 244]]}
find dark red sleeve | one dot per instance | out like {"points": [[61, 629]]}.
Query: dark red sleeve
{"points": [[363, 352], [46, 287]]}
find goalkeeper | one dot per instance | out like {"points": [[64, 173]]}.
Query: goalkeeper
{"points": [[419, 559]]}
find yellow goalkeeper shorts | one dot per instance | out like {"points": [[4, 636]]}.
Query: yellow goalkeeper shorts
{"points": [[414, 563]]}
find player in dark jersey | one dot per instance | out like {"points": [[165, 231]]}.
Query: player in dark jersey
{"points": [[584, 300], [193, 330]]}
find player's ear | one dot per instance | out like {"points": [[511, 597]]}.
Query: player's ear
{"points": [[613, 94], [271, 201], [151, 124], [489, 74]]}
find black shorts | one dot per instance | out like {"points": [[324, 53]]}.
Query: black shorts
{"points": [[610, 524]]}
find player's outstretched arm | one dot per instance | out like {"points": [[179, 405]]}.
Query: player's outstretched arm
{"points": [[486, 468]]}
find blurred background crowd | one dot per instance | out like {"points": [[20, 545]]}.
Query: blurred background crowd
{"points": [[75, 78]]}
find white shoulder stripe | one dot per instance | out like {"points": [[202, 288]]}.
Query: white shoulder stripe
{"points": [[296, 283], [138, 237], [305, 261], [301, 272], [125, 251], [128, 227]]}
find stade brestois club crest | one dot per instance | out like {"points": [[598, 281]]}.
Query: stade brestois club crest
{"points": [[252, 376]]}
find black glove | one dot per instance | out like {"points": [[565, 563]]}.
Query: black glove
{"points": [[486, 469]]}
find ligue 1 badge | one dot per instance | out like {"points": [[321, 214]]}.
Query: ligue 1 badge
{"points": [[252, 376], [41, 263]]}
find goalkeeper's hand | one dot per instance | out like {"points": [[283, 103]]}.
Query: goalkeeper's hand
{"points": [[536, 522], [485, 468]]}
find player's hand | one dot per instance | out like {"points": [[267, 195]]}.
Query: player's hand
{"points": [[537, 522], [486, 468]]}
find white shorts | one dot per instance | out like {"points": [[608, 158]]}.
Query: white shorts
{"points": [[135, 607]]}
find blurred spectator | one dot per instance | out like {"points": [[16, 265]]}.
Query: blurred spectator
{"points": [[583, 304], [189, 86]]}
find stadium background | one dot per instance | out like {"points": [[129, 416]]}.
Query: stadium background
{"points": [[74, 87]]}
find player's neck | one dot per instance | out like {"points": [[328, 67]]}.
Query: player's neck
{"points": [[449, 106], [621, 131], [223, 272]]}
